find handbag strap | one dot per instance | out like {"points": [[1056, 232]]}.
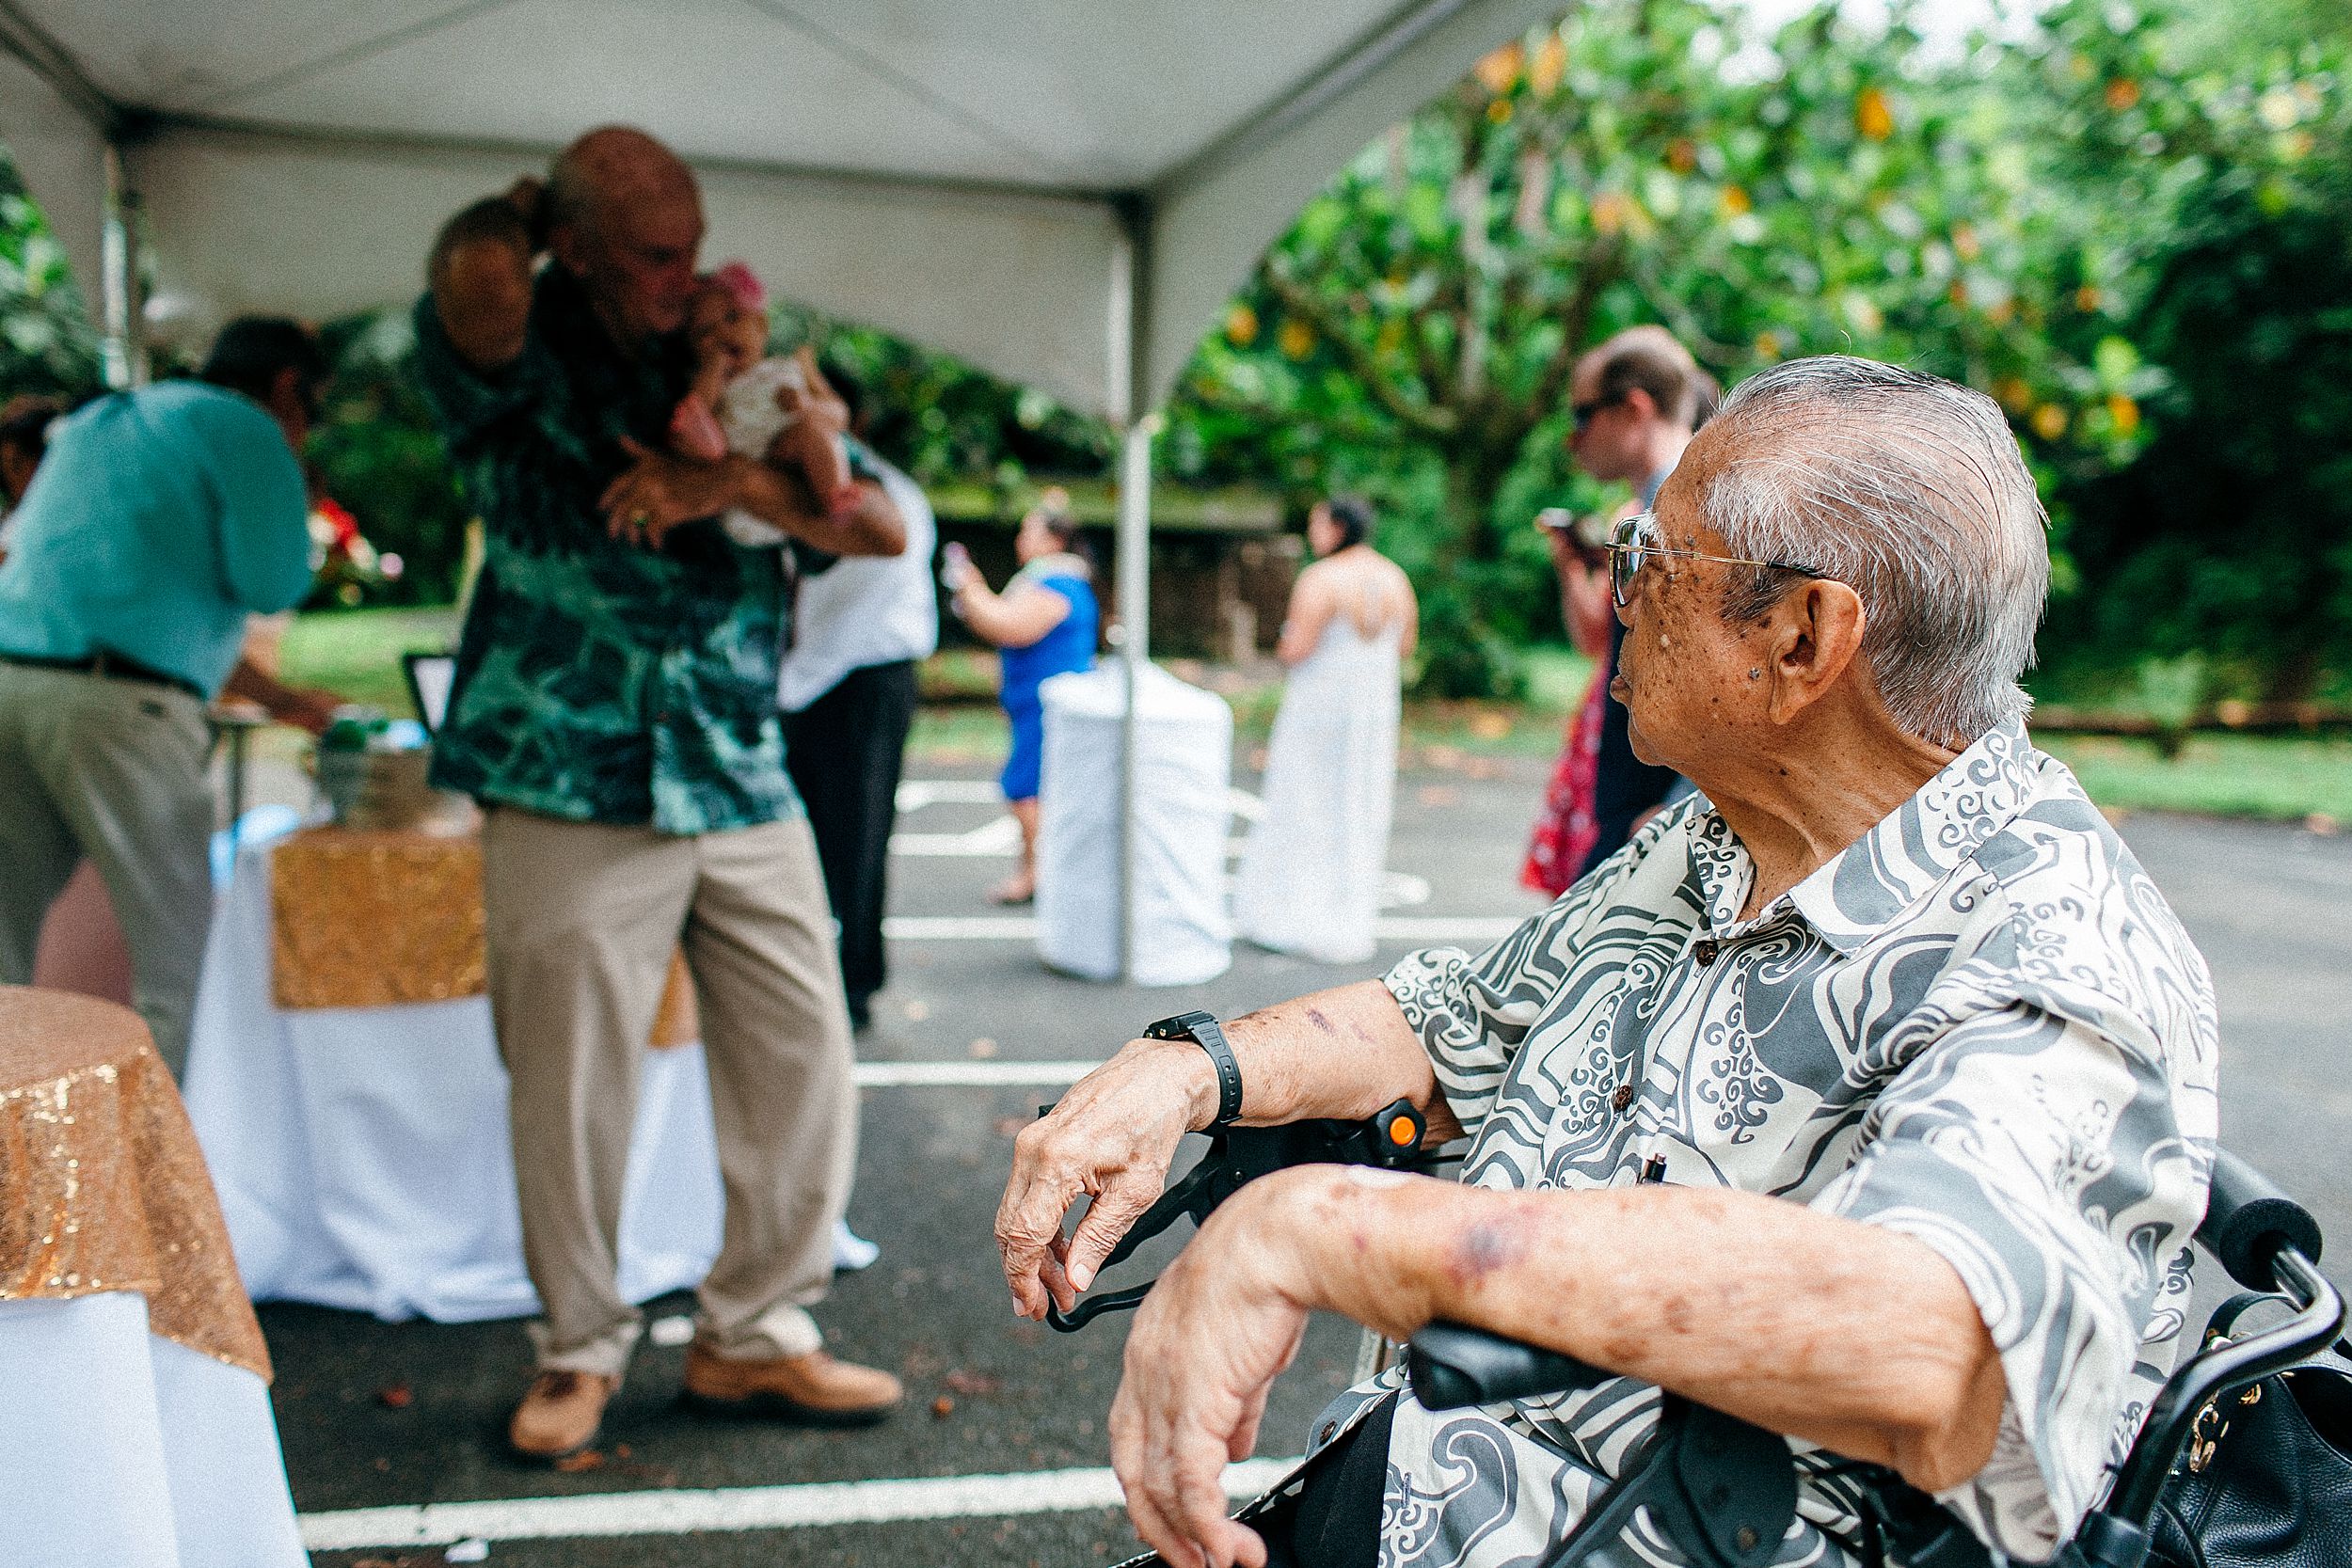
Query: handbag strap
{"points": [[2225, 1318]]}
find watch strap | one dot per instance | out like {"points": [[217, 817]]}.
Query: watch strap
{"points": [[1204, 1030]]}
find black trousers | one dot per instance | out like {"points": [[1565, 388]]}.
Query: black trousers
{"points": [[845, 751]]}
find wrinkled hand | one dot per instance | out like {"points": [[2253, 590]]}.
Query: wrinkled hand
{"points": [[1215, 1333], [1112, 1137], [659, 492]]}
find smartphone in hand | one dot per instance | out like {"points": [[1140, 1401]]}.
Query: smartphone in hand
{"points": [[1562, 524]]}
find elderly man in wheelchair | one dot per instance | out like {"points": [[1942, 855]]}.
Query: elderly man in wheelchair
{"points": [[1867, 1099]]}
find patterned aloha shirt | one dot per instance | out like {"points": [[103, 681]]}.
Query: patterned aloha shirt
{"points": [[597, 680], [1980, 1024]]}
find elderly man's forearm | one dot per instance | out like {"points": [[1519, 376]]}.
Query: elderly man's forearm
{"points": [[1860, 1338], [1342, 1053]]}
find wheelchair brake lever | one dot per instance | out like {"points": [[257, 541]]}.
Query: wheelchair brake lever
{"points": [[1196, 1195], [1236, 1156]]}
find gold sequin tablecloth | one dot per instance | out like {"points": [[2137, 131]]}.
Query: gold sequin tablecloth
{"points": [[101, 1185], [385, 917], [367, 918]]}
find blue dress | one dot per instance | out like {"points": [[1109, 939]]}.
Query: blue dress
{"points": [[1069, 647]]}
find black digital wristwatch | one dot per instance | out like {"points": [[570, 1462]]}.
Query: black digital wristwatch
{"points": [[1204, 1030]]}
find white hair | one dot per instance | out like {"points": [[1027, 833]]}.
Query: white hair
{"points": [[1911, 491]]}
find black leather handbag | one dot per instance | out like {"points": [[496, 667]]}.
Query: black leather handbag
{"points": [[2266, 1481]]}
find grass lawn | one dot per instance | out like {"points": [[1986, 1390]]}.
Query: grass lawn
{"points": [[356, 653], [2286, 777]]}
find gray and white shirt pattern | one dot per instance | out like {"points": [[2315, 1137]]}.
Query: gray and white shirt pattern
{"points": [[1981, 1025]]}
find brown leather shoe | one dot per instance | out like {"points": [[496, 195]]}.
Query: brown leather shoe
{"points": [[813, 1390], [561, 1413]]}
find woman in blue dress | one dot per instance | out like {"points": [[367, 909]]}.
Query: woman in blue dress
{"points": [[1044, 624]]}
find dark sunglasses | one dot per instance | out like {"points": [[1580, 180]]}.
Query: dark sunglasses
{"points": [[1585, 413]]}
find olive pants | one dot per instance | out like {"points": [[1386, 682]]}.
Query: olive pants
{"points": [[113, 770], [582, 919]]}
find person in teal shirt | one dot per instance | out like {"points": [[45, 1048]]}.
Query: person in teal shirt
{"points": [[157, 521]]}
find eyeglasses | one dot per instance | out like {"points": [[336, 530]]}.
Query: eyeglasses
{"points": [[1635, 540]]}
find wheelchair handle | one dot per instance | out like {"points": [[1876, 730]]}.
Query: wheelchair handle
{"points": [[2248, 1220], [1452, 1365]]}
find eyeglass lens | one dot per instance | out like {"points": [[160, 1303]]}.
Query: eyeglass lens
{"points": [[1624, 560]]}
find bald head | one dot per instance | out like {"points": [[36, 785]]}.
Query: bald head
{"points": [[612, 166], [625, 217]]}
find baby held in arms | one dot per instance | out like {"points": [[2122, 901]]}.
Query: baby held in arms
{"points": [[744, 399]]}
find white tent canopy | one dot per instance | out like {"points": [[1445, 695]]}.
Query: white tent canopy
{"points": [[1061, 192], [985, 178]]}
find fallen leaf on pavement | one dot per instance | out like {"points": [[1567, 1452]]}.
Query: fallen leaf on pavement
{"points": [[395, 1396], [586, 1459], [942, 1408]]}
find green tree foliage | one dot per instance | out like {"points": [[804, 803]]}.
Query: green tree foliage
{"points": [[1995, 214], [46, 343]]}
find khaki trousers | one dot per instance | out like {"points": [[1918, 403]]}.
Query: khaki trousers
{"points": [[115, 769], [583, 918]]}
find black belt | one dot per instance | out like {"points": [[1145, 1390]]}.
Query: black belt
{"points": [[112, 666]]}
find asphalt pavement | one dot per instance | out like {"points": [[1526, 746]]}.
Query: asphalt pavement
{"points": [[388, 1415]]}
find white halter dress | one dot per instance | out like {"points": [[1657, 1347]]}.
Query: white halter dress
{"points": [[1309, 879]]}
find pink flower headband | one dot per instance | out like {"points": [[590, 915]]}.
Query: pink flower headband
{"points": [[736, 279]]}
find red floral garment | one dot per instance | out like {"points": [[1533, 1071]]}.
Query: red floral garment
{"points": [[1565, 828]]}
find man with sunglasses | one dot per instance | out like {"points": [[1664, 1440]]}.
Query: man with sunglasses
{"points": [[158, 521], [1637, 399]]}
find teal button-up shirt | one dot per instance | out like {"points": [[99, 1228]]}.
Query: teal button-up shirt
{"points": [[159, 520], [597, 680]]}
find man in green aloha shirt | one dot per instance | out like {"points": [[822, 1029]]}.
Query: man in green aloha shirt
{"points": [[614, 712]]}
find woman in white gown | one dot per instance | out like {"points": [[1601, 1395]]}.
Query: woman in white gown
{"points": [[1309, 879]]}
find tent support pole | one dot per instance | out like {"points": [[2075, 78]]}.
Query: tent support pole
{"points": [[1134, 614], [125, 340], [1128, 294]]}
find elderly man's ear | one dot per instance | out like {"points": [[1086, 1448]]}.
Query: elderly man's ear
{"points": [[1814, 639]]}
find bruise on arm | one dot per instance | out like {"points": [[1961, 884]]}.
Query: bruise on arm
{"points": [[1852, 1336]]}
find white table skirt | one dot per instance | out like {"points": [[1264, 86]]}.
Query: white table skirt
{"points": [[361, 1154], [119, 1449]]}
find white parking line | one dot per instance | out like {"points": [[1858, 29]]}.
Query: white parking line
{"points": [[998, 835], [1021, 927], [741, 1507], [914, 794], [968, 1075]]}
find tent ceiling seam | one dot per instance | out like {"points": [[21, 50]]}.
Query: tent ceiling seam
{"points": [[358, 50], [54, 64], [302, 137], [913, 86]]}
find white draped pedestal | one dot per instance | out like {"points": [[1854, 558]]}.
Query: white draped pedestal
{"points": [[119, 1448], [361, 1154], [1182, 810]]}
